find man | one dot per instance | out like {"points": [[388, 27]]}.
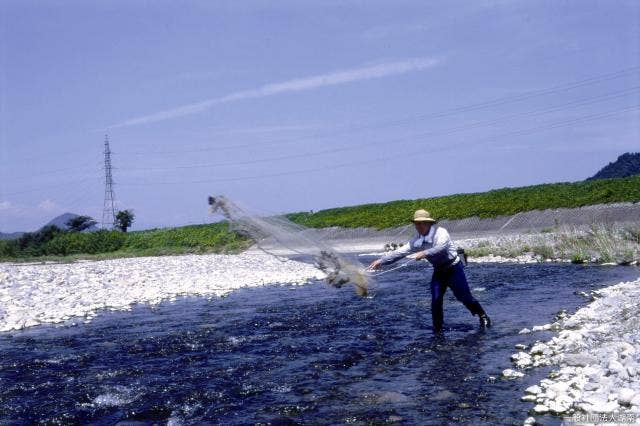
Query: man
{"points": [[434, 244]]}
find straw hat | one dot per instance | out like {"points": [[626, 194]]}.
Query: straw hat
{"points": [[423, 216]]}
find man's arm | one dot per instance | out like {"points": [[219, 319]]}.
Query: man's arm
{"points": [[392, 256]]}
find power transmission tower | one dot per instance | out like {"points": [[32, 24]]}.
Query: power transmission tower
{"points": [[108, 210]]}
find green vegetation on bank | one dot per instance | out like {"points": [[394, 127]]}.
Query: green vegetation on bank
{"points": [[601, 243], [53, 242], [218, 238], [498, 202]]}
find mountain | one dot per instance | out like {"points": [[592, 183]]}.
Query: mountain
{"points": [[61, 221], [628, 164]]}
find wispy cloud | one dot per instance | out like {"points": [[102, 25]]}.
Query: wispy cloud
{"points": [[295, 85], [48, 206]]}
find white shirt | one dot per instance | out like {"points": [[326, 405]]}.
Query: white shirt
{"points": [[437, 245]]}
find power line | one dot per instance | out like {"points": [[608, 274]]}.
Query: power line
{"points": [[534, 112], [47, 187], [438, 114], [55, 171], [523, 132]]}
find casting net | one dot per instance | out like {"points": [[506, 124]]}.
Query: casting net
{"points": [[277, 235]]}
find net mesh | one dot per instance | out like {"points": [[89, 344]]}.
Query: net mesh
{"points": [[277, 235]]}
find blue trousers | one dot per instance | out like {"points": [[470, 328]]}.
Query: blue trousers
{"points": [[455, 278]]}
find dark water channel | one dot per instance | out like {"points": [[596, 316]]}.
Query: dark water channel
{"points": [[296, 355]]}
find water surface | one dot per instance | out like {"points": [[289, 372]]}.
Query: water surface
{"points": [[296, 355]]}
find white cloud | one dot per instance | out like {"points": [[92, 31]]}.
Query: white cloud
{"points": [[295, 85], [48, 205], [5, 205]]}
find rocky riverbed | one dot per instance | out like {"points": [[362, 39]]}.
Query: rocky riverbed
{"points": [[31, 294], [596, 356]]}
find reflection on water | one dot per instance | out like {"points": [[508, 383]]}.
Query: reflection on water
{"points": [[287, 354]]}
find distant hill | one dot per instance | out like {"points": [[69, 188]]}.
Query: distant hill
{"points": [[59, 221], [627, 164], [10, 235]]}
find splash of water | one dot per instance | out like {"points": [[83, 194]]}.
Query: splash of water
{"points": [[277, 234]]}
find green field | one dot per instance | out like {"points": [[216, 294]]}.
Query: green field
{"points": [[497, 202], [217, 238]]}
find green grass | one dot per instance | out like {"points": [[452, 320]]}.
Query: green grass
{"points": [[65, 246], [498, 202]]}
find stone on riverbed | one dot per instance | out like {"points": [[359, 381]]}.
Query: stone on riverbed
{"points": [[625, 396], [540, 409], [535, 389], [521, 359], [53, 293], [511, 374], [596, 352]]}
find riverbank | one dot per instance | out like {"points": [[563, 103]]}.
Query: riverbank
{"points": [[537, 208], [596, 360], [31, 294]]}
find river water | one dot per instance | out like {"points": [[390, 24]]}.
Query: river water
{"points": [[284, 354]]}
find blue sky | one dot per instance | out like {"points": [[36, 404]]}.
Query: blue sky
{"points": [[289, 106]]}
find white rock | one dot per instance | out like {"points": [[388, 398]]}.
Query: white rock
{"points": [[524, 331], [559, 387], [625, 396], [560, 404], [599, 407], [538, 348], [535, 389], [617, 368], [541, 409], [54, 293], [511, 374], [597, 356], [522, 359]]}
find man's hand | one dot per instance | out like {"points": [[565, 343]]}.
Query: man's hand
{"points": [[375, 264], [420, 255]]}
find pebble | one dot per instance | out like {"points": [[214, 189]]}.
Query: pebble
{"points": [[595, 355], [625, 396], [535, 389], [512, 374], [544, 327], [521, 359], [54, 293], [541, 409]]}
